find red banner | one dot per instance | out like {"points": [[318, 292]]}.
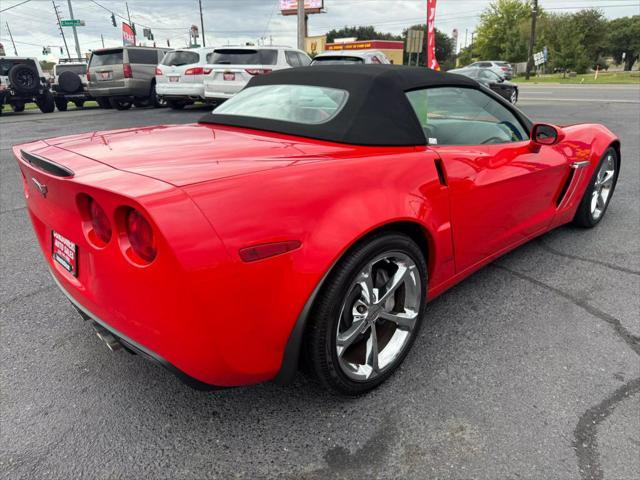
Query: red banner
{"points": [[128, 37], [432, 62]]}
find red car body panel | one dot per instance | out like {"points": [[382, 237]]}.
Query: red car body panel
{"points": [[209, 191]]}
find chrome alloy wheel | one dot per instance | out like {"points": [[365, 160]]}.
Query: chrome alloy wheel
{"points": [[378, 316], [603, 186]]}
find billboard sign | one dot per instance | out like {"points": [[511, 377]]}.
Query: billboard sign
{"points": [[128, 37], [290, 7], [415, 41]]}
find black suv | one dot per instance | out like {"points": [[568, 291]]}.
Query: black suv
{"points": [[21, 82]]}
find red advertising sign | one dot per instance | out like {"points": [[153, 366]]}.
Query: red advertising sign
{"points": [[290, 7], [432, 62], [128, 37]]}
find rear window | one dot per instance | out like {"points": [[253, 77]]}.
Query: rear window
{"points": [[289, 103], [337, 60], [144, 57], [180, 57], [109, 57], [79, 69], [231, 56]]}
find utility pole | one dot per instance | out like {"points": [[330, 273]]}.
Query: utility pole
{"points": [[75, 32], [15, 50], [301, 16], [102, 38], [64, 39], [532, 38], [466, 31], [204, 44]]}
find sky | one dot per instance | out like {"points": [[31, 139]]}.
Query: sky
{"points": [[33, 24]]}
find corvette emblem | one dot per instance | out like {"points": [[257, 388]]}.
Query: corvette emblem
{"points": [[42, 188]]}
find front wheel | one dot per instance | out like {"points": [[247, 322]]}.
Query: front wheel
{"points": [[598, 194], [367, 314], [61, 104], [46, 102]]}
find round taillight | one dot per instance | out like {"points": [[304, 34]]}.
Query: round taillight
{"points": [[140, 235], [99, 222]]}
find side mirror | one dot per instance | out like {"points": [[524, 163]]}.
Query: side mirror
{"points": [[544, 134]]}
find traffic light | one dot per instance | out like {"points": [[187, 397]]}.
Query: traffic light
{"points": [[61, 51], [113, 20]]}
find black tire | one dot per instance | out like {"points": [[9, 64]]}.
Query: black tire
{"points": [[61, 104], [584, 216], [120, 104], [69, 82], [319, 347], [141, 103], [24, 78], [154, 99], [46, 102], [78, 103], [103, 102], [17, 107], [176, 104]]}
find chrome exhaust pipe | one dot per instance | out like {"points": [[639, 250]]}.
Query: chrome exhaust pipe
{"points": [[107, 337]]}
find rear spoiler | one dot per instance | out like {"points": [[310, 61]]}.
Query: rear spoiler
{"points": [[45, 165]]}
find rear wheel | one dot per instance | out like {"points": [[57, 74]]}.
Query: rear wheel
{"points": [[17, 107], [367, 315], [120, 104], [103, 102], [176, 104], [61, 104], [46, 102], [598, 194]]}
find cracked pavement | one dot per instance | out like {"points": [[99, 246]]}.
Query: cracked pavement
{"points": [[528, 369]]}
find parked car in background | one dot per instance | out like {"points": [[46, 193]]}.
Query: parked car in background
{"points": [[180, 76], [501, 68], [70, 84], [125, 76], [22, 81], [233, 67], [491, 80], [350, 57]]}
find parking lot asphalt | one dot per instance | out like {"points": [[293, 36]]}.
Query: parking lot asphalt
{"points": [[528, 369]]}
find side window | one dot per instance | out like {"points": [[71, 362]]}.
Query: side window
{"points": [[464, 116], [292, 58], [484, 64], [141, 56], [304, 59], [375, 59]]}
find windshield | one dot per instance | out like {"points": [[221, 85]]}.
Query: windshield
{"points": [[237, 56], [289, 103], [337, 60], [179, 58], [108, 57], [79, 69]]}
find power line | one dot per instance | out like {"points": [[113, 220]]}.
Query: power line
{"points": [[14, 6]]}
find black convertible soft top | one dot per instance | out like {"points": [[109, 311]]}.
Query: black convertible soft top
{"points": [[377, 111]]}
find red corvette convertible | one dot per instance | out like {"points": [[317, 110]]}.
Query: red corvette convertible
{"points": [[306, 221]]}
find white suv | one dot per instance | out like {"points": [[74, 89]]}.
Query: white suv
{"points": [[180, 76], [233, 67]]}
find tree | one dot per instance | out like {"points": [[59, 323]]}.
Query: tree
{"points": [[503, 31], [445, 49], [624, 38], [361, 33]]}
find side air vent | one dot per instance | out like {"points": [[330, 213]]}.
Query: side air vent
{"points": [[568, 192], [565, 187], [45, 165], [441, 175]]}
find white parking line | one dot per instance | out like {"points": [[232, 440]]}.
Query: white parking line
{"points": [[586, 100]]}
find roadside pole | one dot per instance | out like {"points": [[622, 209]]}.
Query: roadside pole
{"points": [[64, 39], [204, 43], [75, 32], [15, 50], [532, 39], [301, 24]]}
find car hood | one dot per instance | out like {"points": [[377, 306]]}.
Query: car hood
{"points": [[187, 154]]}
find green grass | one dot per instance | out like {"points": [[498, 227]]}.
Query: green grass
{"points": [[33, 106], [603, 78]]}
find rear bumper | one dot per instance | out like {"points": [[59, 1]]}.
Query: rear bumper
{"points": [[168, 90], [133, 345], [219, 90], [127, 88]]}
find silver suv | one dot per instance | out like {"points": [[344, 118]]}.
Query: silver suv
{"points": [[70, 84], [125, 76], [22, 81]]}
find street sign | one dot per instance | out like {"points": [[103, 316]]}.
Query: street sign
{"points": [[72, 23], [415, 41], [538, 58]]}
